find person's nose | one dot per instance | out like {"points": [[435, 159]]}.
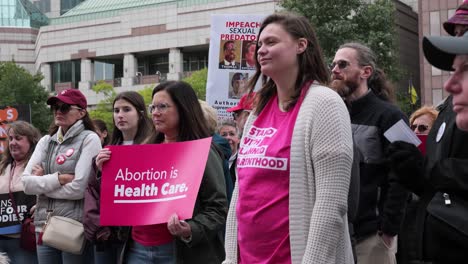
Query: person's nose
{"points": [[452, 85], [261, 50]]}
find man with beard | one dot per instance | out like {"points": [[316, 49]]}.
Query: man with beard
{"points": [[229, 61], [363, 86]]}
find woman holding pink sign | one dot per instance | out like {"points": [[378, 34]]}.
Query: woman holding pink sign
{"points": [[177, 116], [131, 126]]}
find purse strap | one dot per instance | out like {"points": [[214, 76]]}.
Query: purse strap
{"points": [[12, 198]]}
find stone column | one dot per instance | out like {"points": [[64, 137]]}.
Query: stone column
{"points": [[46, 72], [130, 65], [87, 74], [176, 61]]}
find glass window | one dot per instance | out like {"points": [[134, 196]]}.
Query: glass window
{"points": [[21, 13], [66, 72], [104, 70], [195, 61], [66, 5], [434, 18]]}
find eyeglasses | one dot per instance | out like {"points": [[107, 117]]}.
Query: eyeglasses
{"points": [[236, 115], [161, 108], [341, 64], [421, 128], [64, 108]]}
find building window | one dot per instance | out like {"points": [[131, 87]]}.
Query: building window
{"points": [[67, 5], [66, 72], [434, 18], [12, 14], [451, 12], [436, 96], [150, 65], [195, 61], [435, 71], [108, 70], [43, 5]]}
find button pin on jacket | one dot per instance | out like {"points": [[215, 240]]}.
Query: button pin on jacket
{"points": [[440, 132], [69, 152], [60, 159]]}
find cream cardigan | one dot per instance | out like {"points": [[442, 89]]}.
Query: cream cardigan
{"points": [[321, 160]]}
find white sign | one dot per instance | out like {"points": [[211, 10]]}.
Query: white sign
{"points": [[400, 131], [231, 59]]}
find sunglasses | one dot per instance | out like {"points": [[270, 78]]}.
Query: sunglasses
{"points": [[421, 128], [161, 108], [341, 64], [64, 108]]}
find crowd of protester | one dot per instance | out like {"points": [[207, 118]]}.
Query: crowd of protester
{"points": [[334, 189]]}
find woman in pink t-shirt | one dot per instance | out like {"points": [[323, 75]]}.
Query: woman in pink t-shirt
{"points": [[294, 160]]}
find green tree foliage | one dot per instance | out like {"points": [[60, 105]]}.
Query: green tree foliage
{"points": [[18, 86], [198, 82], [337, 22], [103, 109]]}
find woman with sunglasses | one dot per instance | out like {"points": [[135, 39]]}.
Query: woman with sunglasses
{"points": [[131, 126], [294, 161], [59, 169], [22, 139], [177, 116], [422, 119]]}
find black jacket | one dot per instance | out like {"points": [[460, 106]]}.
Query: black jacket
{"points": [[209, 218], [381, 202], [445, 169]]}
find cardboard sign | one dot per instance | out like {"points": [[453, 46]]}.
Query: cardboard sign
{"points": [[146, 184]]}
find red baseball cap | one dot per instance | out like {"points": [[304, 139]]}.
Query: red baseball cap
{"points": [[246, 103], [69, 96]]}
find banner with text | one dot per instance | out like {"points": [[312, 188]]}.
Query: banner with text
{"points": [[233, 40], [146, 184], [9, 222]]}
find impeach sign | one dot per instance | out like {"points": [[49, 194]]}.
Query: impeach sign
{"points": [[146, 184]]}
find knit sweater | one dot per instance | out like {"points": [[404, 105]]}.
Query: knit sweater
{"points": [[320, 168]]}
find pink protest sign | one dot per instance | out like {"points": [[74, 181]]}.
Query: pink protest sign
{"points": [[146, 184]]}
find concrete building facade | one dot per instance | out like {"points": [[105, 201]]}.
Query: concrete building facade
{"points": [[431, 16], [167, 41]]}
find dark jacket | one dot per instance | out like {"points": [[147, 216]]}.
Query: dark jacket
{"points": [[445, 168], [224, 151], [209, 218], [381, 202]]}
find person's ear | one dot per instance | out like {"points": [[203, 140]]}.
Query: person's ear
{"points": [[82, 113], [366, 72], [301, 45]]}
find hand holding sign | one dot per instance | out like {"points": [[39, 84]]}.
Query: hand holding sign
{"points": [[179, 228]]}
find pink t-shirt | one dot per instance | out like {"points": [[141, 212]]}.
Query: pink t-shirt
{"points": [[152, 235], [263, 170]]}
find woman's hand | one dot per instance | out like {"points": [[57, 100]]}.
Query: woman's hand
{"points": [[103, 156], [65, 178], [32, 211], [37, 170], [178, 227]]}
